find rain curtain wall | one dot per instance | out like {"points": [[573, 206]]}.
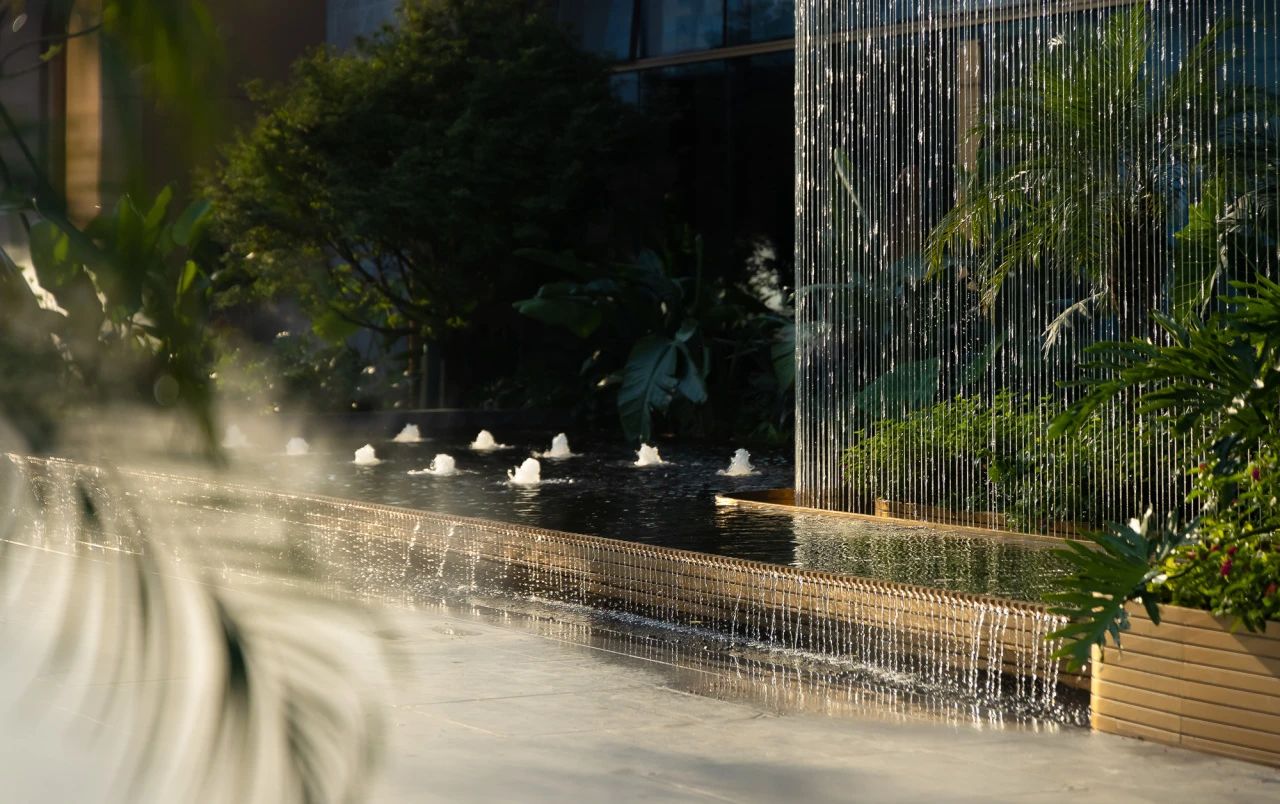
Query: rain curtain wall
{"points": [[984, 188]]}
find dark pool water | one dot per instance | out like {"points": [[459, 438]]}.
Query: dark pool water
{"points": [[601, 492]]}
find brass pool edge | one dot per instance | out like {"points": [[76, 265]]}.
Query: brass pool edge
{"points": [[783, 500]]}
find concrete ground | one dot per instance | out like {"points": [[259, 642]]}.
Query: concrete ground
{"points": [[491, 708]]}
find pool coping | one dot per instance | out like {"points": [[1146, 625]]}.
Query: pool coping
{"points": [[783, 500]]}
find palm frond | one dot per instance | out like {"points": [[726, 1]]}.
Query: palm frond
{"points": [[182, 688]]}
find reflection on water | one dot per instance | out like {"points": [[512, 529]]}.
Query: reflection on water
{"points": [[672, 505]]}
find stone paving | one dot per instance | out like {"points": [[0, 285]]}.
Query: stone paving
{"points": [[491, 711]]}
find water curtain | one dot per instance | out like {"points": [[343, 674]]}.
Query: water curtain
{"points": [[984, 188]]}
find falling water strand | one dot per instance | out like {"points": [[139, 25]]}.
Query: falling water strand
{"points": [[904, 112]]}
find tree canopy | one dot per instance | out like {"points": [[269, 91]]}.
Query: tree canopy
{"points": [[391, 187]]}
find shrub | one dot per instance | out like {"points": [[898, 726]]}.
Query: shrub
{"points": [[1218, 377], [390, 187], [1035, 481]]}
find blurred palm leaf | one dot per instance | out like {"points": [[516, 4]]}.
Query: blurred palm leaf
{"points": [[199, 692]]}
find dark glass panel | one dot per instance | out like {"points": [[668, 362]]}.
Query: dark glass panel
{"points": [[602, 27], [760, 20], [679, 26]]}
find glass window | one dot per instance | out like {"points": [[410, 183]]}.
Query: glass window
{"points": [[760, 20], [626, 87], [602, 27], [678, 26]]}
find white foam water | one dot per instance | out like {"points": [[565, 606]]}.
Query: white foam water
{"points": [[739, 465], [367, 456], [485, 442], [408, 435], [441, 466], [648, 456], [528, 473]]}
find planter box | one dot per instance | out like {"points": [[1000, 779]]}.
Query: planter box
{"points": [[1193, 682]]}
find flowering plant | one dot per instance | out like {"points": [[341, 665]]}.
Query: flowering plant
{"points": [[1233, 568], [1219, 377]]}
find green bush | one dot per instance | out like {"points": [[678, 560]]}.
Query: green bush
{"points": [[1233, 568], [1218, 378], [1034, 480], [389, 188], [674, 344], [299, 371]]}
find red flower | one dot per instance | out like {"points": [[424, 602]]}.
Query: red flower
{"points": [[1226, 568], [1257, 474], [1203, 467], [1214, 549], [1231, 551], [1271, 590]]}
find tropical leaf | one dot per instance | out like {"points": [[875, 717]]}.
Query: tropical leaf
{"points": [[198, 689], [1198, 254], [565, 304], [657, 371], [901, 389], [1118, 565], [1076, 177]]}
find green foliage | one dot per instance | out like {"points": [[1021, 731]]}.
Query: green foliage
{"points": [[1220, 378], [115, 314], [1115, 566], [664, 334], [390, 187], [884, 280], [131, 299], [1001, 440], [1233, 568], [124, 311], [305, 371], [1078, 172], [1220, 375]]}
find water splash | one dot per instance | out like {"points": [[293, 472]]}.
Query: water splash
{"points": [[559, 448], [485, 442], [739, 465], [408, 435], [367, 456], [297, 446], [235, 438], [528, 473], [648, 456], [441, 466]]}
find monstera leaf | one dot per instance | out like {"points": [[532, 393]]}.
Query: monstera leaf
{"points": [[659, 369], [902, 388], [1114, 568]]}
